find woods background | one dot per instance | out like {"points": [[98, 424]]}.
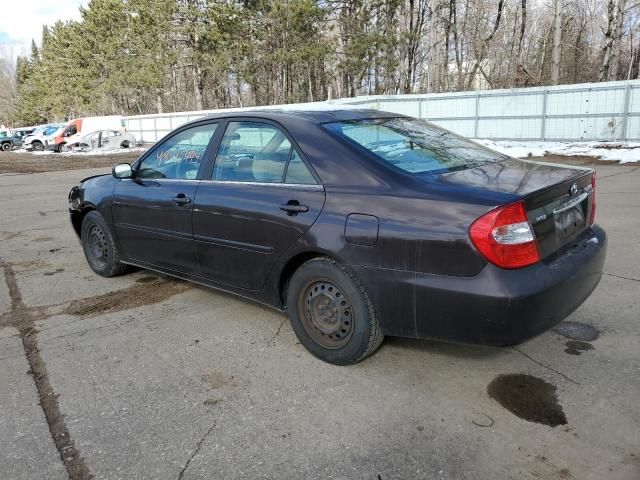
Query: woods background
{"points": [[154, 56]]}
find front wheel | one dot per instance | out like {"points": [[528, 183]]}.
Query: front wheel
{"points": [[37, 146], [6, 147], [63, 148], [99, 247], [331, 313]]}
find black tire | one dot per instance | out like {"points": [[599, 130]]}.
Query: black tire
{"points": [[124, 144], [331, 313], [99, 247], [63, 148], [37, 146], [6, 146]]}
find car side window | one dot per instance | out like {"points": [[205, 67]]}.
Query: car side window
{"points": [[180, 156], [297, 171], [252, 152]]}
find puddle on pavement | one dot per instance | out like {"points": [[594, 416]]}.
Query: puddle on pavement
{"points": [[581, 332], [575, 347], [528, 397], [138, 295]]}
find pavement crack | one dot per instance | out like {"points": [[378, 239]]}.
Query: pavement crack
{"points": [[23, 318], [272, 342], [196, 451], [551, 369], [622, 277]]}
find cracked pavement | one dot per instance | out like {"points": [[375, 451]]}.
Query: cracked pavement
{"points": [[145, 377]]}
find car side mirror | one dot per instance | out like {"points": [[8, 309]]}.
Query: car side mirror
{"points": [[122, 170]]}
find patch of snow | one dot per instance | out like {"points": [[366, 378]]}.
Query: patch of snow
{"points": [[623, 152]]}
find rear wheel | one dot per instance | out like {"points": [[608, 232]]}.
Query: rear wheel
{"points": [[331, 313], [124, 144], [6, 146], [99, 247]]}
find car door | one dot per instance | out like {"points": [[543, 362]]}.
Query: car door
{"points": [[260, 199], [152, 211]]}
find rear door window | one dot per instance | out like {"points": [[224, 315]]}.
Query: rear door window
{"points": [[252, 152]]}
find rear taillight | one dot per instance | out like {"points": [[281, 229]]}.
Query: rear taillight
{"points": [[505, 237], [593, 199]]}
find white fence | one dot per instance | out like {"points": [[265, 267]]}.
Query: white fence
{"points": [[589, 111]]}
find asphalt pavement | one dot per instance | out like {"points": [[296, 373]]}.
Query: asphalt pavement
{"points": [[144, 377]]}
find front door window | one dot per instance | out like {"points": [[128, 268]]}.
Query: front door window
{"points": [[180, 156]]}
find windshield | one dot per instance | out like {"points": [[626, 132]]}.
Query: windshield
{"points": [[414, 145]]}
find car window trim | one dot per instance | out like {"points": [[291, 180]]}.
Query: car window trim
{"points": [[294, 145], [215, 138], [311, 186]]}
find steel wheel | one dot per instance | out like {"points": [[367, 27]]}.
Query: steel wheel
{"points": [[6, 147], [98, 247], [326, 313]]}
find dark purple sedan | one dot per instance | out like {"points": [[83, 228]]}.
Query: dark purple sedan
{"points": [[357, 223]]}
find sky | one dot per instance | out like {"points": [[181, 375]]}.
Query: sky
{"points": [[23, 20]]}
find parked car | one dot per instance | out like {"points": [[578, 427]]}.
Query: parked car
{"points": [[14, 138], [103, 140], [358, 224], [36, 140], [79, 127]]}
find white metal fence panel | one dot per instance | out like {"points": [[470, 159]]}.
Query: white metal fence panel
{"points": [[590, 111]]}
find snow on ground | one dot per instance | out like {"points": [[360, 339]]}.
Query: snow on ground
{"points": [[623, 152]]}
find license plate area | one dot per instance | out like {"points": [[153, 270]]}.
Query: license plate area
{"points": [[569, 221]]}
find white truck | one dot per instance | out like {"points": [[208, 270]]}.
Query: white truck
{"points": [[80, 127]]}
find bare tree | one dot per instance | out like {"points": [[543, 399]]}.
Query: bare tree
{"points": [[557, 42], [612, 39]]}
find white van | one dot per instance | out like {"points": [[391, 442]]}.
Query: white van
{"points": [[79, 127]]}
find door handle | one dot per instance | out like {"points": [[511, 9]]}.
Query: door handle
{"points": [[293, 207], [181, 199]]}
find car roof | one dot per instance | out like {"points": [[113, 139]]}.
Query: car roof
{"points": [[314, 115]]}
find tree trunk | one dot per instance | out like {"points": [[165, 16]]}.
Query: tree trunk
{"points": [[197, 92], [159, 105], [557, 42], [617, 40]]}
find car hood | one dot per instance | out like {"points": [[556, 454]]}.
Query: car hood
{"points": [[510, 176]]}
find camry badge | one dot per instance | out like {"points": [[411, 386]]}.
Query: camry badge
{"points": [[573, 190]]}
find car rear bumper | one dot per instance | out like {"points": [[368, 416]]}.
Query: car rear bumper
{"points": [[495, 307]]}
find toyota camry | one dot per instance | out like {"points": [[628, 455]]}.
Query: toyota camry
{"points": [[357, 223]]}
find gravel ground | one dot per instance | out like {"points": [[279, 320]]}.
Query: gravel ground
{"points": [[18, 162]]}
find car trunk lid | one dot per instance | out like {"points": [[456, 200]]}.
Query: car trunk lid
{"points": [[558, 199]]}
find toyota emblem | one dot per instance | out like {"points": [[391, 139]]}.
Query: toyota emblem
{"points": [[573, 190]]}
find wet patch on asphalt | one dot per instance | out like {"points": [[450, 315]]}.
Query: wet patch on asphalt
{"points": [[146, 279], [529, 398], [577, 331], [576, 347], [138, 295]]}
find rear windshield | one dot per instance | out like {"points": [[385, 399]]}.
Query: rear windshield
{"points": [[414, 145]]}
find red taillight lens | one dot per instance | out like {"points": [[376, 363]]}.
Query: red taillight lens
{"points": [[505, 237], [593, 199]]}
